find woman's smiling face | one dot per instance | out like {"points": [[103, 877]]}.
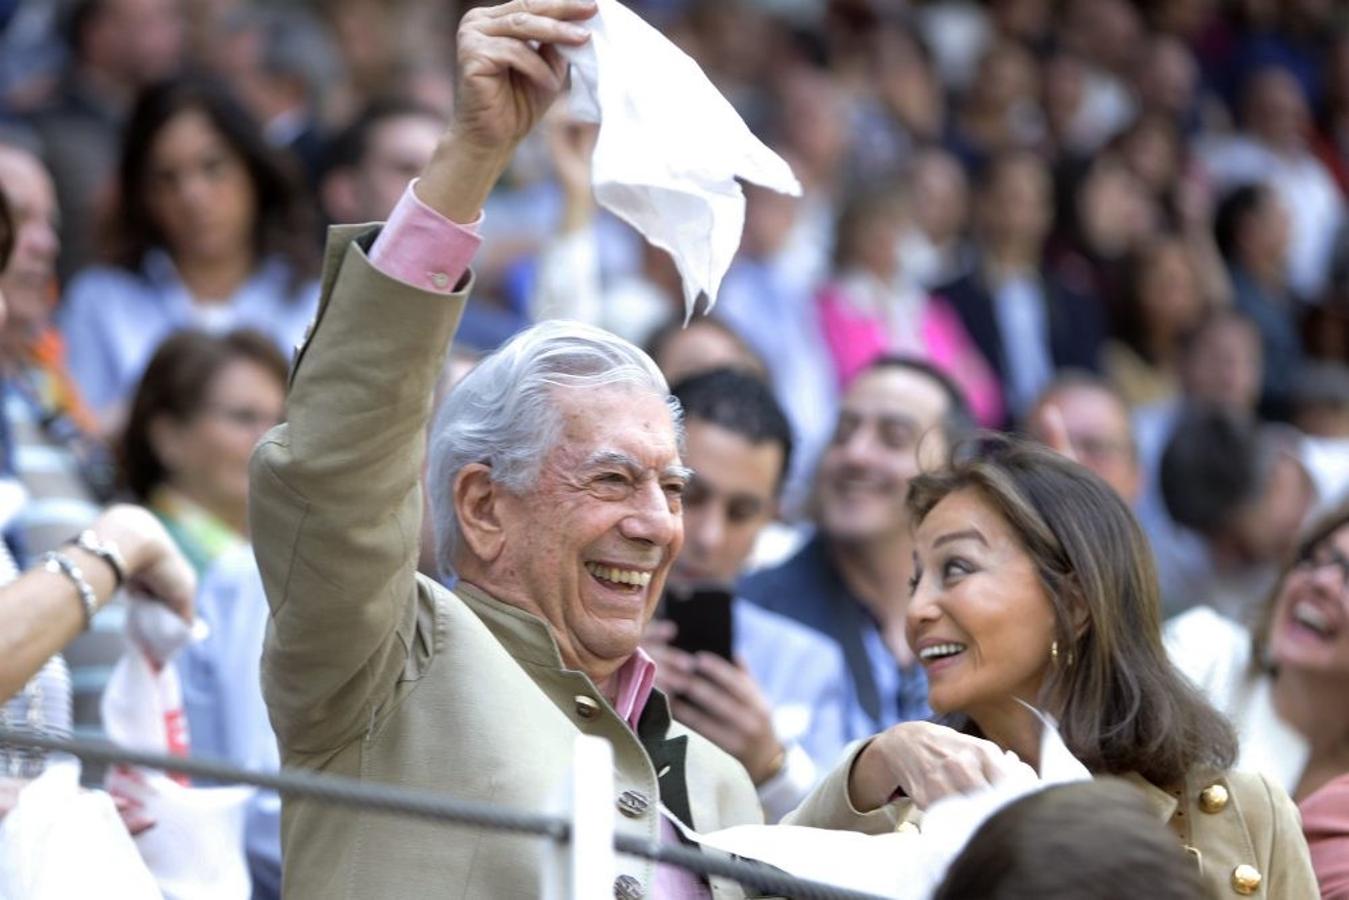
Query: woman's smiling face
{"points": [[980, 620]]}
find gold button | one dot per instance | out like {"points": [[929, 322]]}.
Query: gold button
{"points": [[586, 707], [1213, 799], [1246, 879]]}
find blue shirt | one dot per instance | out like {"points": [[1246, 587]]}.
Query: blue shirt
{"points": [[222, 696], [114, 319], [802, 675], [809, 588]]}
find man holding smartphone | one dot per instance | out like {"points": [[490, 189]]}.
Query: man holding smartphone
{"points": [[764, 688]]}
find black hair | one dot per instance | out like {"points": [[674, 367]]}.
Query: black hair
{"points": [[1057, 843], [285, 218], [350, 145], [958, 420], [7, 232], [1215, 461], [740, 403], [1234, 210]]}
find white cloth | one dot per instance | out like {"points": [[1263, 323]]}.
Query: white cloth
{"points": [[670, 146], [899, 865]]}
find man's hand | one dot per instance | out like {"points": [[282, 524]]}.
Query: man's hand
{"points": [[510, 71], [927, 762], [720, 701]]}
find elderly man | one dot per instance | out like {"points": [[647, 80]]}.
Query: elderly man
{"points": [[555, 476]]}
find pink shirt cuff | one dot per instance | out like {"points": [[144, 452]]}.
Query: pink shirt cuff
{"points": [[423, 249]]}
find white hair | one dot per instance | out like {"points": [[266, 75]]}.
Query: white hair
{"points": [[504, 412]]}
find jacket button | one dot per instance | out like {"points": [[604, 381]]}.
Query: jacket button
{"points": [[1246, 879], [1213, 799], [628, 888], [586, 707], [632, 803]]}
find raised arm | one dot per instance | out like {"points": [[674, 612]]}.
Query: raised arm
{"points": [[335, 505]]}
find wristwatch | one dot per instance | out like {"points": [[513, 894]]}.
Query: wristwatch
{"points": [[104, 550]]}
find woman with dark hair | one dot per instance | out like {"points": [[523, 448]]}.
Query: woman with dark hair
{"points": [[202, 404], [1285, 688], [211, 230], [1034, 585]]}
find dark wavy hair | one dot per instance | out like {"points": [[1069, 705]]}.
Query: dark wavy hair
{"points": [[286, 221], [1122, 706], [175, 384]]}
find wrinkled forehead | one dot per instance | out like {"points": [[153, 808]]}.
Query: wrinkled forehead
{"points": [[636, 422]]}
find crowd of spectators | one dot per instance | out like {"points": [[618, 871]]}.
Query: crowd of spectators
{"points": [[1118, 226]]}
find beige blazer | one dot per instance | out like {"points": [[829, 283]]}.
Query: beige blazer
{"points": [[1241, 830], [375, 672]]}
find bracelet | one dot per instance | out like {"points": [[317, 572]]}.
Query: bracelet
{"points": [[60, 564], [106, 551]]}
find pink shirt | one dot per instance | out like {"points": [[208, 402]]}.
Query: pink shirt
{"points": [[423, 249]]}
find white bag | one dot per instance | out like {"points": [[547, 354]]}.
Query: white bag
{"points": [[61, 842], [196, 848]]}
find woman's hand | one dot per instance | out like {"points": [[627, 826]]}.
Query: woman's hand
{"points": [[155, 565], [926, 762]]}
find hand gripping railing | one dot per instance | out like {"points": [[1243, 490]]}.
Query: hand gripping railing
{"points": [[574, 876]]}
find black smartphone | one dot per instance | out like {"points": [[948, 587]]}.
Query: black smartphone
{"points": [[703, 616]]}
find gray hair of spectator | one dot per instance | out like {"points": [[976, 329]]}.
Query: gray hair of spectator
{"points": [[1215, 461], [504, 413], [294, 45], [957, 421], [1057, 843]]}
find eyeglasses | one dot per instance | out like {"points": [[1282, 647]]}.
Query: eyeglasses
{"points": [[1320, 556], [245, 417]]}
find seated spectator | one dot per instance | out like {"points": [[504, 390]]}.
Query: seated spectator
{"points": [[851, 581], [780, 706], [934, 249], [1025, 322], [1056, 843], [1273, 146], [1095, 423], [1160, 301], [43, 609], [1247, 489], [202, 404], [870, 308], [1284, 689], [1251, 229], [1219, 364], [57, 455], [369, 163], [211, 232]]}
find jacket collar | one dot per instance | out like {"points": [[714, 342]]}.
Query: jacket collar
{"points": [[525, 636], [1162, 804]]}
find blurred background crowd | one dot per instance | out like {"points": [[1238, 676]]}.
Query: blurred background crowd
{"points": [[1116, 225]]}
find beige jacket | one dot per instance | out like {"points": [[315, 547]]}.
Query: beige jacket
{"points": [[375, 672], [1241, 829]]}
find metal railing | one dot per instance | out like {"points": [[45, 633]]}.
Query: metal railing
{"points": [[398, 801]]}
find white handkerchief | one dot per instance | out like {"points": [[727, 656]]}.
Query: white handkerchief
{"points": [[670, 147]]}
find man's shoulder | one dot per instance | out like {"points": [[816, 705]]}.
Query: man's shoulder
{"points": [[789, 638]]}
